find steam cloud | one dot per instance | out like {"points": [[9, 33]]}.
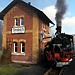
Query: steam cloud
{"points": [[61, 10]]}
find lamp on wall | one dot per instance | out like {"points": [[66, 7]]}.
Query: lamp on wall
{"points": [[41, 36]]}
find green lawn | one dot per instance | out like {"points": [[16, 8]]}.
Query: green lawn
{"points": [[9, 69]]}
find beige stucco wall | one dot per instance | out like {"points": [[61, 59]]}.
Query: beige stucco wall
{"points": [[4, 32], [35, 50]]}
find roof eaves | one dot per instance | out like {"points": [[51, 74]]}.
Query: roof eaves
{"points": [[45, 18]]}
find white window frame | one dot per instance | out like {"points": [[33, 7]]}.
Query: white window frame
{"points": [[16, 21], [21, 21], [14, 47], [22, 47]]}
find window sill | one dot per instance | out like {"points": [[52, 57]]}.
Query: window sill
{"points": [[18, 53], [16, 26]]}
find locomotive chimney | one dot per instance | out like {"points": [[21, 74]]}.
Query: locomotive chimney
{"points": [[58, 23]]}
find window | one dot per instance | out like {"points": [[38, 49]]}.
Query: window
{"points": [[21, 21], [15, 47], [22, 47], [16, 21]]}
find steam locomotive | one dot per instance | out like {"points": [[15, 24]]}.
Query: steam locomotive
{"points": [[60, 49]]}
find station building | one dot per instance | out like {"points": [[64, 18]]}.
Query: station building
{"points": [[25, 31]]}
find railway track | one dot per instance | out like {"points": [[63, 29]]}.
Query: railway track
{"points": [[53, 70], [63, 70], [56, 71]]}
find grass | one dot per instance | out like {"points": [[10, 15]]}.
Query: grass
{"points": [[9, 69]]}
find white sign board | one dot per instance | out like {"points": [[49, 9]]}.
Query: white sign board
{"points": [[18, 29]]}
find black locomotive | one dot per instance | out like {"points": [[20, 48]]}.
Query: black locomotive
{"points": [[60, 49]]}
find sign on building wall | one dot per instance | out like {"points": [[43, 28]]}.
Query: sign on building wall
{"points": [[18, 29]]}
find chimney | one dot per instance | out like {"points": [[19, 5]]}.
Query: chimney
{"points": [[58, 23], [58, 28], [29, 3], [16, 0]]}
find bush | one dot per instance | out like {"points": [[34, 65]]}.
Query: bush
{"points": [[0, 55], [6, 55]]}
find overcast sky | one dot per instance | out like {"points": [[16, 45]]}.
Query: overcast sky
{"points": [[48, 7]]}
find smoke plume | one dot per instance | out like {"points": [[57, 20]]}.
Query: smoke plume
{"points": [[61, 10], [61, 7]]}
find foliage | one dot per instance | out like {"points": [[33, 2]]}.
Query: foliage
{"points": [[6, 55], [9, 69]]}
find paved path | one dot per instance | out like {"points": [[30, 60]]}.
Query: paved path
{"points": [[33, 70]]}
